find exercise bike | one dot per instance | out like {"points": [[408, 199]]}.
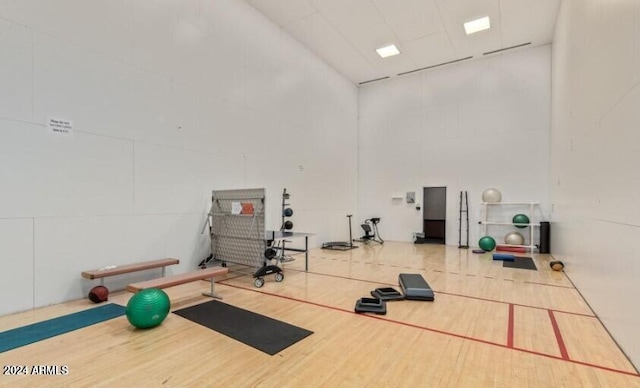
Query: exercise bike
{"points": [[370, 227]]}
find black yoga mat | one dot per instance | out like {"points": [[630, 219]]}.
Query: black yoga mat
{"points": [[258, 331], [521, 263]]}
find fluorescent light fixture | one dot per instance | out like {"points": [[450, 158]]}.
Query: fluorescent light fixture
{"points": [[388, 51], [477, 25]]}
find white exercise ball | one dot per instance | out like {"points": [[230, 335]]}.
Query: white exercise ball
{"points": [[491, 195], [514, 238]]}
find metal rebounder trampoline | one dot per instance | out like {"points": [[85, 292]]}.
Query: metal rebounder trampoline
{"points": [[341, 245], [237, 229]]}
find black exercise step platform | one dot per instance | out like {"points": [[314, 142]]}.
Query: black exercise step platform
{"points": [[371, 305], [415, 287], [387, 294]]}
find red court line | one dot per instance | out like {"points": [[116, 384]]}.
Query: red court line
{"points": [[446, 293], [556, 330], [510, 327], [437, 331]]}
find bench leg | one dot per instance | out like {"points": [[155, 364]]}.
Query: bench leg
{"points": [[212, 293]]}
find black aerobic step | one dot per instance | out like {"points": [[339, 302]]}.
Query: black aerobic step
{"points": [[415, 287], [387, 294], [371, 305]]}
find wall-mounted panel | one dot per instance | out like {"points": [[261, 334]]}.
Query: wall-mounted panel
{"points": [[16, 71], [16, 259], [47, 174]]}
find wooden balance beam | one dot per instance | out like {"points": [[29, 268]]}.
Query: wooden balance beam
{"points": [[122, 269], [170, 281]]}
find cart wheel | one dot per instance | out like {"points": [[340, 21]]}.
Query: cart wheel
{"points": [[259, 282], [279, 277], [224, 264]]}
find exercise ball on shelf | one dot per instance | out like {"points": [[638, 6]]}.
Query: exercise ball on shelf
{"points": [[487, 243], [514, 238], [491, 195], [99, 294], [148, 308], [520, 219]]}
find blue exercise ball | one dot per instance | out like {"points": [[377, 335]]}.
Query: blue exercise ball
{"points": [[148, 308]]}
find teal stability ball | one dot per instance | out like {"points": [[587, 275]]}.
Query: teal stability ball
{"points": [[148, 308], [487, 243], [520, 219]]}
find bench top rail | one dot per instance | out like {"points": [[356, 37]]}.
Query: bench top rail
{"points": [[121, 269], [174, 280]]}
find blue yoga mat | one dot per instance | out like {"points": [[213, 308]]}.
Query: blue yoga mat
{"points": [[29, 334]]}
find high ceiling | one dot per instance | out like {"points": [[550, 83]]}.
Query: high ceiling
{"points": [[346, 33]]}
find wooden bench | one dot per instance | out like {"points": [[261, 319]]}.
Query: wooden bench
{"points": [[122, 269], [174, 280]]}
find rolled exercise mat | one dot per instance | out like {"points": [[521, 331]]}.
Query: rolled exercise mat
{"points": [[505, 248], [504, 257], [545, 237]]}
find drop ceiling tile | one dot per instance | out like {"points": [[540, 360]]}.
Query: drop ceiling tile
{"points": [[535, 24], [349, 15], [430, 50], [283, 12], [411, 19], [506, 5], [380, 35], [456, 12]]}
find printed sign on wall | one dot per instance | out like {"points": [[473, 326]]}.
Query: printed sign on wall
{"points": [[61, 127], [411, 196]]}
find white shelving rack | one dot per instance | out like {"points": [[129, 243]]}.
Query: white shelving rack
{"points": [[528, 208]]}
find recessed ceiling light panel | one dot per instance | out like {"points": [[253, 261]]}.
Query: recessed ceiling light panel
{"points": [[477, 25], [388, 51]]}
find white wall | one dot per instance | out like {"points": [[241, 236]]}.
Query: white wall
{"points": [[468, 126], [169, 100], [594, 159]]}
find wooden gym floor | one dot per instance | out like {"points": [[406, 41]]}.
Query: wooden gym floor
{"points": [[489, 326]]}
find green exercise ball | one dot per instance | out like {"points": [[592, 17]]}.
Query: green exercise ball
{"points": [[148, 308], [520, 219], [487, 243]]}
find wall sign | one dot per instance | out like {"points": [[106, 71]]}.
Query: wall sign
{"points": [[411, 196], [61, 127]]}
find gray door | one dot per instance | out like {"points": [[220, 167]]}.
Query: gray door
{"points": [[435, 214]]}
